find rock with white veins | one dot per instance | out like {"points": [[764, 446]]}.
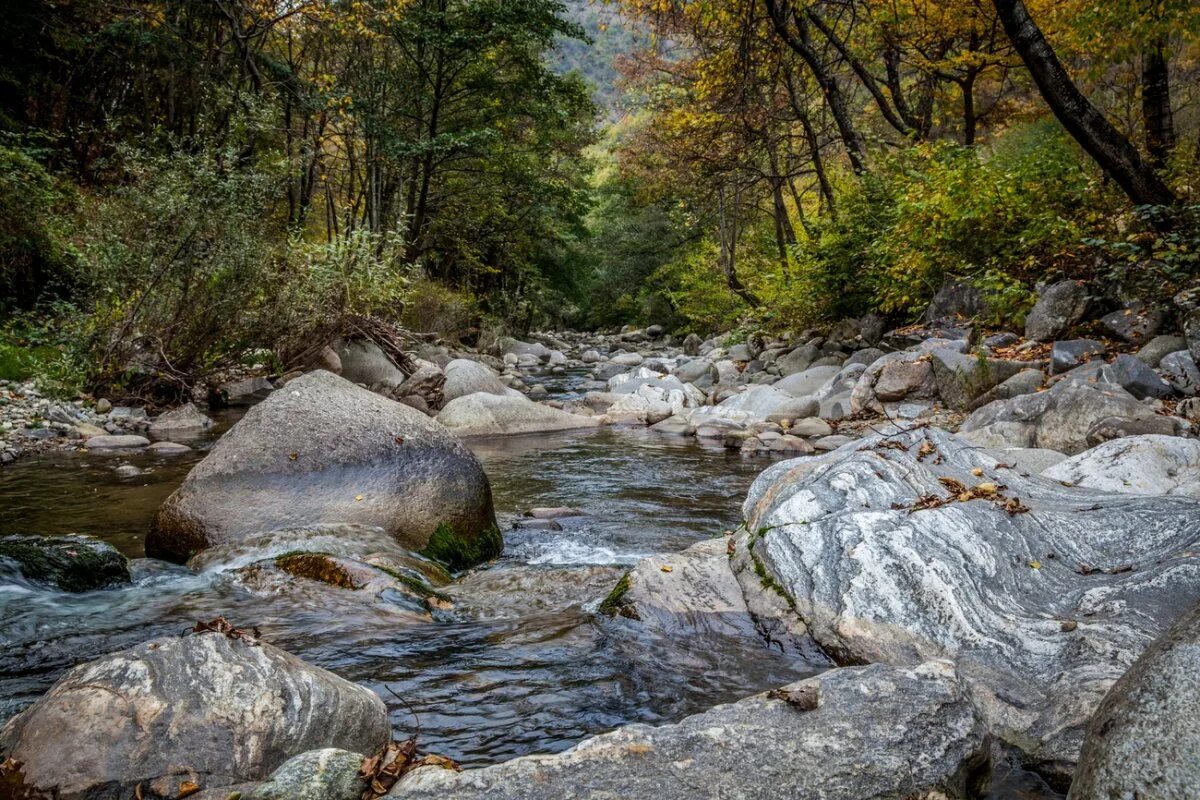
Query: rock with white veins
{"points": [[865, 733], [1136, 465], [887, 558], [204, 709]]}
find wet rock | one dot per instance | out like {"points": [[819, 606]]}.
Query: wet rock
{"points": [[328, 774], [1067, 418], [537, 525], [186, 419], [72, 563], [554, 512], [245, 392], [1155, 465], [206, 709], [126, 441], [483, 414], [323, 450], [847, 734], [1058, 308], [1136, 323], [1065, 356], [1144, 741], [885, 563], [127, 471]]}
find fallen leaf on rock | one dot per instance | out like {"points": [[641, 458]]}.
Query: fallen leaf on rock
{"points": [[358, 497], [667, 568], [1035, 565], [804, 699], [977, 472], [187, 788], [222, 626]]}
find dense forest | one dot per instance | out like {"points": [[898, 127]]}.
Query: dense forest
{"points": [[188, 185]]}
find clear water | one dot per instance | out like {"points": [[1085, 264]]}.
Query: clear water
{"points": [[521, 663]]}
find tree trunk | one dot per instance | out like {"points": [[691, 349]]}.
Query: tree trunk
{"points": [[727, 228], [1103, 142], [1157, 118], [801, 42]]}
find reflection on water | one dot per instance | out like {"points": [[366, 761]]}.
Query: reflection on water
{"points": [[520, 664]]}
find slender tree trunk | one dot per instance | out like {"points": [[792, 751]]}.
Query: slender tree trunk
{"points": [[1157, 118], [1103, 142], [967, 85], [801, 42], [727, 228]]}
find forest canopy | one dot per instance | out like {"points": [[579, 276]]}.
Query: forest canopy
{"points": [[190, 184]]}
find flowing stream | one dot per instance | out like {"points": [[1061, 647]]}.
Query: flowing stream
{"points": [[520, 664]]}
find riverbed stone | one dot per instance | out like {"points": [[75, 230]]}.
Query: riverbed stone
{"points": [[1136, 322], [1068, 355], [1153, 465], [243, 393], [186, 419], [72, 563], [483, 414], [849, 734], [207, 709], [1144, 741], [1059, 307], [364, 362], [326, 774], [1179, 369], [464, 377], [691, 344], [123, 441], [962, 378], [1069, 417], [323, 450], [1043, 594]]}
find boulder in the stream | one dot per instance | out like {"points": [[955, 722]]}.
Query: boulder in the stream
{"points": [[867, 733], [364, 362], [73, 563], [324, 451], [1144, 741], [207, 710], [185, 420], [464, 377], [483, 414], [915, 545]]}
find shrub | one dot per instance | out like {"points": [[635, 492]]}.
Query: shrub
{"points": [[33, 262]]}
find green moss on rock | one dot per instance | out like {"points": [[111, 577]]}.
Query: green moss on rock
{"points": [[458, 551], [615, 604], [71, 563]]}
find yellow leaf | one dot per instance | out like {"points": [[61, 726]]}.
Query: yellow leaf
{"points": [[667, 568]]}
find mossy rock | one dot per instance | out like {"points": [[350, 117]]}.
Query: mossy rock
{"points": [[615, 604], [459, 551], [70, 563]]}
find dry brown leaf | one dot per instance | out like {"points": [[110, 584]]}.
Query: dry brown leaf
{"points": [[187, 788]]}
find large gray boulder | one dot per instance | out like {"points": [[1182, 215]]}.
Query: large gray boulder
{"points": [[206, 709], [364, 362], [897, 376], [962, 378], [464, 377], [483, 414], [1069, 417], [1144, 741], [1136, 465], [917, 545], [507, 344], [1058, 308], [323, 450], [808, 382], [868, 733]]}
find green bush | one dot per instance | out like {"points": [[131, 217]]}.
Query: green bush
{"points": [[33, 262]]}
